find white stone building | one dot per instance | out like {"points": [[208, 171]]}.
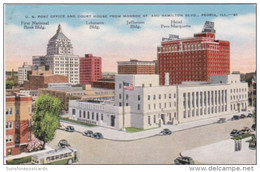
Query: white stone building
{"points": [[60, 58], [22, 72], [102, 113], [152, 105]]}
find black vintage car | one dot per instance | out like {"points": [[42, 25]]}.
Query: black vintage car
{"points": [[63, 143], [235, 117], [184, 160], [70, 129], [165, 131]]}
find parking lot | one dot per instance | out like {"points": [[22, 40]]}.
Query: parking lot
{"points": [[153, 150]]}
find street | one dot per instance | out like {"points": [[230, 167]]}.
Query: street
{"points": [[153, 150]]}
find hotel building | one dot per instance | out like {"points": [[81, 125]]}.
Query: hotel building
{"points": [[193, 59]]}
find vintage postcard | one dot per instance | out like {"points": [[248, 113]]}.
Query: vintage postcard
{"points": [[130, 84]]}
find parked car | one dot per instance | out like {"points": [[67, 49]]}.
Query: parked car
{"points": [[98, 136], [88, 133], [253, 127], [250, 115], [246, 130], [185, 160], [242, 116], [221, 120], [233, 132], [70, 129], [252, 144], [165, 131], [63, 143], [235, 117]]}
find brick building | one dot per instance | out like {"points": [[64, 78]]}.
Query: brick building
{"points": [[41, 81], [18, 123], [104, 83], [193, 59], [136, 67], [90, 69]]}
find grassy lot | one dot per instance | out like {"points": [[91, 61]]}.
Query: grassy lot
{"points": [[133, 130], [242, 136], [78, 122], [18, 161]]}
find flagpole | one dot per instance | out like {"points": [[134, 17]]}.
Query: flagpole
{"points": [[123, 106]]}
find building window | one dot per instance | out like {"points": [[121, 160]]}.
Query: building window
{"points": [[126, 104], [88, 115], [120, 104], [149, 106], [97, 116], [73, 111], [92, 115], [139, 97], [84, 114], [148, 97], [120, 86], [149, 120], [159, 96], [154, 97], [170, 96], [17, 124], [102, 117], [9, 138], [184, 114], [9, 125], [9, 111], [119, 96], [138, 107], [29, 123], [80, 113]]}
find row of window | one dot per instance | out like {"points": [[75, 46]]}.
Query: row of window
{"points": [[197, 112], [9, 138], [160, 105], [197, 98], [9, 124], [9, 111], [88, 115]]}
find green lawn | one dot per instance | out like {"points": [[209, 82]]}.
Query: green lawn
{"points": [[78, 122], [242, 136], [19, 160], [133, 130]]}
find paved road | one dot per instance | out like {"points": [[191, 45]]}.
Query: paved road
{"points": [[153, 150], [113, 134]]}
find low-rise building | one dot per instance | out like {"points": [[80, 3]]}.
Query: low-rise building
{"points": [[102, 113], [23, 72], [66, 92], [135, 66], [153, 105], [18, 122]]}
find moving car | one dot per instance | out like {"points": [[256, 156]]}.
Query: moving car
{"points": [[252, 144], [233, 132], [253, 127], [165, 131], [98, 136], [250, 115], [242, 116], [246, 130], [221, 120], [88, 133], [185, 160], [235, 117], [70, 129], [63, 143]]}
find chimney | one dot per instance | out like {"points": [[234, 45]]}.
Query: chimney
{"points": [[167, 78]]}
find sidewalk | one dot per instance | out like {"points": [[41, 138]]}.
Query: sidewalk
{"points": [[223, 153], [112, 134], [25, 154]]}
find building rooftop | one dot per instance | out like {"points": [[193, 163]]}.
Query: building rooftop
{"points": [[59, 35]]}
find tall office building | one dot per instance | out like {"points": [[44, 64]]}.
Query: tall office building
{"points": [[90, 69], [23, 72], [193, 59], [60, 58], [135, 66]]}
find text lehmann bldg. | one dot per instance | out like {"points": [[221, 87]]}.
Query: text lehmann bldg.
{"points": [[151, 105]]}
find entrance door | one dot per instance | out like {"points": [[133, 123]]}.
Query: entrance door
{"points": [[163, 118], [112, 120]]}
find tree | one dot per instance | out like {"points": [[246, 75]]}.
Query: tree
{"points": [[9, 84], [46, 117]]}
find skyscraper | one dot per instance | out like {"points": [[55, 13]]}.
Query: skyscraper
{"points": [[193, 59], [60, 58]]}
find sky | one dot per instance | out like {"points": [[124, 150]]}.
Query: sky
{"points": [[116, 41]]}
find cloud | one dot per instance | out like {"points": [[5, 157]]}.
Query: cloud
{"points": [[113, 43]]}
